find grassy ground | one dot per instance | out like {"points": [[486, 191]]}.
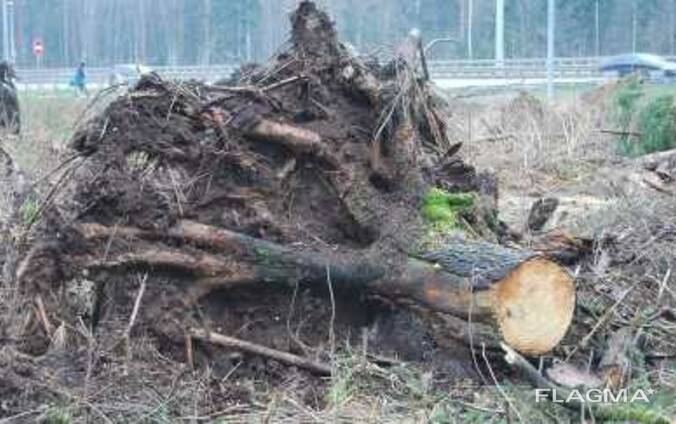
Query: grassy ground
{"points": [[544, 151], [48, 121]]}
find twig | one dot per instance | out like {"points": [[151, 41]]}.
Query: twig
{"points": [[295, 336], [90, 104], [256, 349], [56, 169], [44, 318], [599, 323], [287, 169], [189, 351], [254, 89], [663, 285], [51, 194], [494, 138], [500, 389], [620, 132], [283, 82], [132, 320], [15, 418], [332, 333]]}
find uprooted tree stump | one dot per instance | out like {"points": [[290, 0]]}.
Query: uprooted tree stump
{"points": [[312, 168]]}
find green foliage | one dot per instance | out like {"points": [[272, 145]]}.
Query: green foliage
{"points": [[653, 117], [657, 125], [626, 100], [443, 209]]}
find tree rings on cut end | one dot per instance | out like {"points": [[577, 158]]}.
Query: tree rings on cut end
{"points": [[534, 305]]}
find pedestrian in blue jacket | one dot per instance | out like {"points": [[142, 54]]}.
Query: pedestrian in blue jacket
{"points": [[79, 80]]}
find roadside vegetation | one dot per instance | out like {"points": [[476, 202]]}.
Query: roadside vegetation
{"points": [[646, 115], [49, 120]]}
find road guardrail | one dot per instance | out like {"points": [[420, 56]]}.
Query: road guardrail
{"points": [[535, 68]]}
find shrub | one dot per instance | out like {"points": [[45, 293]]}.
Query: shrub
{"points": [[653, 118], [657, 125], [626, 100]]}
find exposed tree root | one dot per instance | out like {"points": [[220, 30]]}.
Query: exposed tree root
{"points": [[256, 349]]}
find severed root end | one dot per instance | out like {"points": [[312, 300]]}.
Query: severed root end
{"points": [[534, 306]]}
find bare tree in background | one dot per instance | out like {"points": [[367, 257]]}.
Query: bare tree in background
{"points": [[205, 50], [206, 31]]}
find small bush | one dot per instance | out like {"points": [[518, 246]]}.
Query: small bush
{"points": [[626, 101], [653, 118], [657, 125]]}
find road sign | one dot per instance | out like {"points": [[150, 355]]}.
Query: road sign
{"points": [[38, 47]]}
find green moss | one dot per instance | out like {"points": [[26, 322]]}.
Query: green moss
{"points": [[443, 210]]}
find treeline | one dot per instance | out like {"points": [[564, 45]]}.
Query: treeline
{"points": [[182, 32]]}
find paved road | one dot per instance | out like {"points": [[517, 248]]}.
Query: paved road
{"points": [[448, 74]]}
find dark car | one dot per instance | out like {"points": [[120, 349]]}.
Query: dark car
{"points": [[647, 65]]}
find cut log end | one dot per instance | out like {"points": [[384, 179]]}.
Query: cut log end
{"points": [[534, 305]]}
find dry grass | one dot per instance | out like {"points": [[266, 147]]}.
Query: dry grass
{"points": [[48, 121], [539, 150], [523, 138]]}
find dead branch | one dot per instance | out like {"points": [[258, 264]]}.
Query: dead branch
{"points": [[190, 357], [199, 264], [256, 349], [254, 89], [622, 133], [42, 314]]}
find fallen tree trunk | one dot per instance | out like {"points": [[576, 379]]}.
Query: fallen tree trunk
{"points": [[512, 291]]}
